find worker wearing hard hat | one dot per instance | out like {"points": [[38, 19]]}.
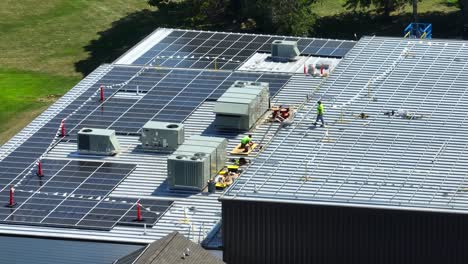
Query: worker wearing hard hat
{"points": [[320, 111], [246, 143]]}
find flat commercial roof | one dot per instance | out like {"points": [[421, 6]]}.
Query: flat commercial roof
{"points": [[90, 197], [395, 137]]}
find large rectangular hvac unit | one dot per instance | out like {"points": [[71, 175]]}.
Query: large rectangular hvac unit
{"points": [[284, 50], [188, 170], [97, 141], [242, 105], [161, 136], [195, 162], [218, 159]]}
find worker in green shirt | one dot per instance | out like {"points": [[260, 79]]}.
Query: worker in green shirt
{"points": [[246, 142], [320, 112]]}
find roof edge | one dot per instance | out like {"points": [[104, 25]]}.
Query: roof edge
{"points": [[225, 198]]}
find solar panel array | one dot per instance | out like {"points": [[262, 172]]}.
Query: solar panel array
{"points": [[160, 95], [73, 194], [133, 97], [416, 157], [198, 50], [23, 159], [123, 211]]}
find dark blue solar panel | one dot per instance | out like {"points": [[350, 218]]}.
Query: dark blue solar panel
{"points": [[66, 194], [151, 211], [201, 48], [164, 95]]}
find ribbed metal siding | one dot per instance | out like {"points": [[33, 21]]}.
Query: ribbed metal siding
{"points": [[256, 232]]}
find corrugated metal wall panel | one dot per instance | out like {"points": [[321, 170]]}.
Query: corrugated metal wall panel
{"points": [[256, 232]]}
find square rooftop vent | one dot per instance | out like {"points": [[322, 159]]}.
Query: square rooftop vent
{"points": [[284, 50]]}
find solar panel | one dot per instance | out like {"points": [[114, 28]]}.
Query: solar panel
{"points": [[164, 95], [198, 50], [66, 194], [123, 211]]}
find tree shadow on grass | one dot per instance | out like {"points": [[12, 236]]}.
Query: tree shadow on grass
{"points": [[344, 26], [125, 33]]}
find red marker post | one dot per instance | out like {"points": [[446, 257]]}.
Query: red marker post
{"points": [[139, 217], [62, 128], [102, 93], [12, 198], [305, 69], [39, 169]]}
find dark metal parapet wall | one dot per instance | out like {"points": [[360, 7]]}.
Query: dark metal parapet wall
{"points": [[257, 232]]}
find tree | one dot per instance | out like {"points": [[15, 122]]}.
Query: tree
{"points": [[196, 13], [292, 17], [464, 7], [209, 11], [269, 16], [383, 6], [277, 16]]}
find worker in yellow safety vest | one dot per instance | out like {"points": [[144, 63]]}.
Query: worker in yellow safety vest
{"points": [[246, 142], [320, 111]]}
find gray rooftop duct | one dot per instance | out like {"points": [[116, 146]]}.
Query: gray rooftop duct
{"points": [[97, 141], [284, 50]]}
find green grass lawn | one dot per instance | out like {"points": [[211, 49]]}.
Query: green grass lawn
{"points": [[40, 43], [26, 94]]}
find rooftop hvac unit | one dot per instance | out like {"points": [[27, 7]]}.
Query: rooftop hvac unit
{"points": [[97, 141], [284, 50], [188, 171], [242, 105], [161, 136], [218, 156], [195, 162]]}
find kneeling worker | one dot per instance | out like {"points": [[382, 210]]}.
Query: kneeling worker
{"points": [[246, 143]]}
